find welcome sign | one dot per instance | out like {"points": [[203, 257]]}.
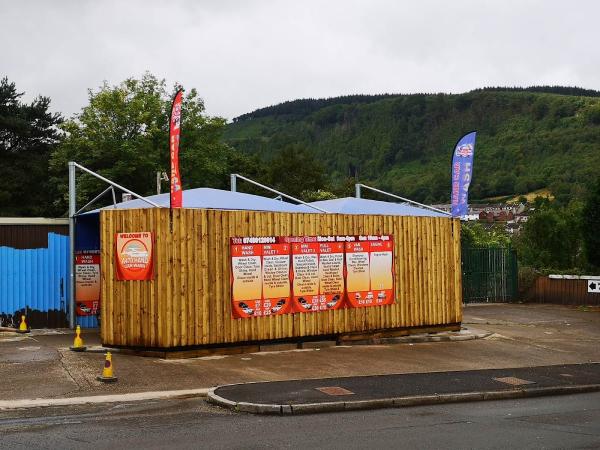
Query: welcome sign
{"points": [[134, 256]]}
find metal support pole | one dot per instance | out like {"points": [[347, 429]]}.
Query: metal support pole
{"points": [[233, 182], [357, 190], [404, 199], [118, 186], [275, 191], [91, 202], [72, 212]]}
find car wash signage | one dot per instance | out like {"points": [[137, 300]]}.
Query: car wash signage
{"points": [[274, 275], [87, 283], [134, 256]]}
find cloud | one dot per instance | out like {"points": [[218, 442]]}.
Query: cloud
{"points": [[242, 55]]}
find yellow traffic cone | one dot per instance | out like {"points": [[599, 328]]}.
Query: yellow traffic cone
{"points": [[107, 373], [23, 326], [78, 341]]}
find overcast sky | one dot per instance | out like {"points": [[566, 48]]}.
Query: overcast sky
{"points": [[242, 55]]}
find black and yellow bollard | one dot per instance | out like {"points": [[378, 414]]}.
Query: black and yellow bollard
{"points": [[107, 372], [78, 341], [23, 328]]}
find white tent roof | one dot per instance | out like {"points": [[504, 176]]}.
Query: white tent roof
{"points": [[352, 205], [209, 198]]}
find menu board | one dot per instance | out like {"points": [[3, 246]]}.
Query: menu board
{"points": [[299, 274], [370, 272], [87, 283], [276, 279], [305, 263], [331, 274], [318, 273]]}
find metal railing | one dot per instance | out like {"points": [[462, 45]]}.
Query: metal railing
{"points": [[235, 176], [358, 186]]}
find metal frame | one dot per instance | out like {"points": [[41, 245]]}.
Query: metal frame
{"points": [[233, 180], [91, 202], [73, 212], [358, 186]]}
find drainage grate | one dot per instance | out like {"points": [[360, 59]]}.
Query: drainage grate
{"points": [[334, 390], [514, 381]]}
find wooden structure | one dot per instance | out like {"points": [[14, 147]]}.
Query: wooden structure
{"points": [[188, 303], [562, 291]]}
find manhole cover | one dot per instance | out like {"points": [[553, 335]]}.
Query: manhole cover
{"points": [[514, 381], [334, 390]]}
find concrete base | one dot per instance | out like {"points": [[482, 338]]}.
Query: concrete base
{"points": [[78, 349], [279, 347], [317, 344], [106, 379], [311, 342]]}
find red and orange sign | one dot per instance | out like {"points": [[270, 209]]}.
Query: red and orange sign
{"points": [[87, 284], [370, 272], [260, 278], [290, 274], [134, 256], [318, 275]]}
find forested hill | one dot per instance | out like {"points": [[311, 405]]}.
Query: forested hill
{"points": [[528, 139]]}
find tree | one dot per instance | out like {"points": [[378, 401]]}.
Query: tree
{"points": [[551, 238], [591, 225], [123, 135], [474, 234], [28, 133], [294, 171]]}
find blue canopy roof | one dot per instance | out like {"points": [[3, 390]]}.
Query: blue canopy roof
{"points": [[351, 205], [209, 198]]}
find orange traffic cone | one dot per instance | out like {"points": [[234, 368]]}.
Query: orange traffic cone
{"points": [[23, 328], [78, 341], [107, 372]]}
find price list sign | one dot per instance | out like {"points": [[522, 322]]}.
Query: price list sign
{"points": [[302, 274]]}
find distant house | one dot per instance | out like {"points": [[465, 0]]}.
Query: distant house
{"points": [[490, 212], [513, 216]]}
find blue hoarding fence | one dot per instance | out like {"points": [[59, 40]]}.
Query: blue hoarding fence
{"points": [[35, 282]]}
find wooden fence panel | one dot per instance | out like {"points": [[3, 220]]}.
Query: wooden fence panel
{"points": [[188, 303], [563, 291]]}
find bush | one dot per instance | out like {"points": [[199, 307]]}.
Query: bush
{"points": [[527, 277]]}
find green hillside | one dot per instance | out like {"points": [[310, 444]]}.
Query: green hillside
{"points": [[528, 139]]}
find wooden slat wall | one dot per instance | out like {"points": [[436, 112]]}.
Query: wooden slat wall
{"points": [[563, 292], [188, 302]]}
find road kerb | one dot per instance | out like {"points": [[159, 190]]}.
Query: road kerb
{"points": [[397, 402], [113, 398]]}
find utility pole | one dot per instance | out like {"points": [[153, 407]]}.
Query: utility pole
{"points": [[160, 176]]}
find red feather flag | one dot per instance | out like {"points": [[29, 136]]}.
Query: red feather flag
{"points": [[174, 133]]}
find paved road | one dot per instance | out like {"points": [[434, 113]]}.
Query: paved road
{"points": [[548, 422], [523, 336]]}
